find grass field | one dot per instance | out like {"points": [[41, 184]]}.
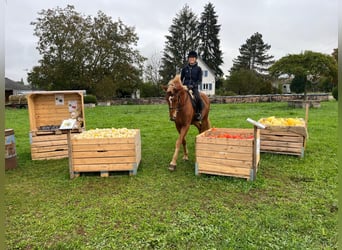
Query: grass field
{"points": [[291, 205]]}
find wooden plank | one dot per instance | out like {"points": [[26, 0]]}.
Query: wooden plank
{"points": [[137, 148], [274, 132], [49, 143], [49, 149], [49, 155], [282, 150], [235, 131], [103, 167], [103, 141], [104, 174], [282, 138], [245, 163], [44, 138], [225, 155], [100, 154], [70, 156], [104, 160], [223, 148], [225, 141], [281, 144], [300, 130], [227, 171], [100, 147]]}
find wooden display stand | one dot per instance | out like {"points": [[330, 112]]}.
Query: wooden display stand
{"points": [[47, 111]]}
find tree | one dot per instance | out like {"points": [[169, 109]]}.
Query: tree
{"points": [[209, 46], [335, 88], [298, 84], [81, 52], [182, 39], [246, 82], [152, 69], [310, 65], [253, 55], [335, 54]]}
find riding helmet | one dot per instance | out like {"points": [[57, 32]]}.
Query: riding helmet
{"points": [[192, 54]]}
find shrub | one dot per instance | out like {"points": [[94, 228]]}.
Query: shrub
{"points": [[335, 93], [89, 99]]}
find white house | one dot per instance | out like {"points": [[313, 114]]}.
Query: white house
{"points": [[208, 79]]}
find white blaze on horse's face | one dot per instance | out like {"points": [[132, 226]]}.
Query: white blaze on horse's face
{"points": [[170, 87], [170, 100], [172, 108]]}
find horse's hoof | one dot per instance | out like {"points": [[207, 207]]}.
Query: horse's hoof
{"points": [[172, 167]]}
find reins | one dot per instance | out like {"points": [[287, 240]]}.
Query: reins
{"points": [[179, 106]]}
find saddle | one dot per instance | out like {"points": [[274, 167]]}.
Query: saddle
{"points": [[194, 100]]}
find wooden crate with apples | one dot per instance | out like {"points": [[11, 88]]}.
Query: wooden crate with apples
{"points": [[229, 152], [105, 154], [283, 136]]}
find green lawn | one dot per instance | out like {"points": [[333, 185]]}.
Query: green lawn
{"points": [[291, 205]]}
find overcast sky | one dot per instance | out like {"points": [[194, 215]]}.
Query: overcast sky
{"points": [[289, 26]]}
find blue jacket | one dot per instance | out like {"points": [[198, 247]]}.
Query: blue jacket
{"points": [[191, 75]]}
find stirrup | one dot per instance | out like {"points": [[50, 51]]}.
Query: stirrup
{"points": [[198, 116]]}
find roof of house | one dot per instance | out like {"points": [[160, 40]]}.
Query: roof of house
{"points": [[12, 85]]}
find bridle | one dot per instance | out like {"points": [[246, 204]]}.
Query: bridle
{"points": [[178, 106], [174, 108]]}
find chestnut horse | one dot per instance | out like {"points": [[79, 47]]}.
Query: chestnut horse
{"points": [[182, 113]]}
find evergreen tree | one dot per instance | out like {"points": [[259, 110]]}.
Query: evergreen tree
{"points": [[209, 47], [253, 55], [182, 39], [298, 84]]}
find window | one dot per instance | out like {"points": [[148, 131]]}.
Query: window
{"points": [[207, 86], [205, 73]]}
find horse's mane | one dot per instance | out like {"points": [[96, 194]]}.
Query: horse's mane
{"points": [[176, 83]]}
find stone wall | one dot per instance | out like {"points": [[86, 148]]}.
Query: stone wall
{"points": [[228, 99]]}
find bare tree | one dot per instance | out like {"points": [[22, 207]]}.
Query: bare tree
{"points": [[152, 68]]}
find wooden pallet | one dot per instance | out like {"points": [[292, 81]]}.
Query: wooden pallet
{"points": [[228, 157]]}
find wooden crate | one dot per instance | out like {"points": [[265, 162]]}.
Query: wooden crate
{"points": [[105, 155], [46, 147], [228, 157], [289, 140], [47, 110]]}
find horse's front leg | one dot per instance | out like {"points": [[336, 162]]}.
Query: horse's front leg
{"points": [[185, 150], [181, 140]]}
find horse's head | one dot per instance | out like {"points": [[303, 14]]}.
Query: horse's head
{"points": [[173, 88]]}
